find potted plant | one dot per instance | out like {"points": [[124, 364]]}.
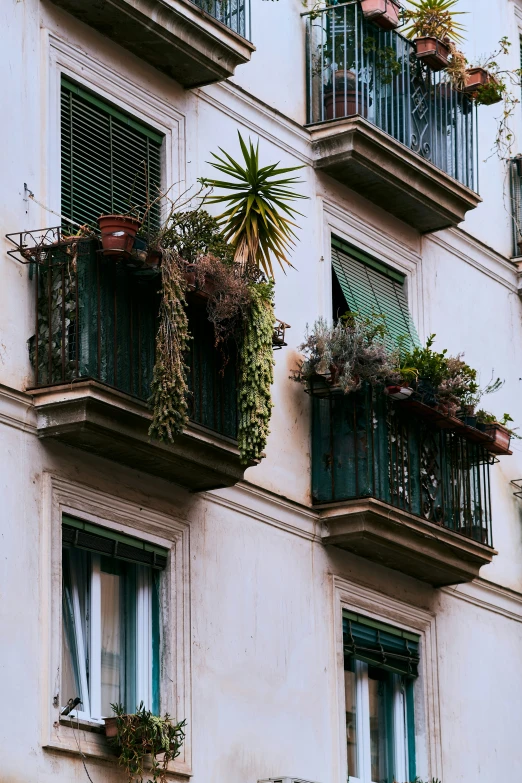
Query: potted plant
{"points": [[433, 27], [384, 13], [118, 233], [426, 369], [498, 430], [136, 736]]}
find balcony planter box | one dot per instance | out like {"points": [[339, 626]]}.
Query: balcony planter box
{"points": [[500, 434], [384, 13], [433, 52], [479, 77], [118, 234], [344, 86]]}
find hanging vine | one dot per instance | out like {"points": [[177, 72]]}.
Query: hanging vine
{"points": [[256, 373], [169, 382]]}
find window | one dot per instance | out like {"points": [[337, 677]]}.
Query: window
{"points": [[110, 162], [111, 620], [380, 666], [368, 287]]}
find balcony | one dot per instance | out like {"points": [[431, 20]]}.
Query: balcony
{"points": [[403, 486], [195, 43], [93, 355], [385, 124]]}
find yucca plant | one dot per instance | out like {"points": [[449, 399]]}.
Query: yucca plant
{"points": [[259, 221], [434, 19]]}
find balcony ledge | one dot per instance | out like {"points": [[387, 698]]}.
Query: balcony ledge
{"points": [[114, 425], [368, 160], [404, 542], [175, 36]]}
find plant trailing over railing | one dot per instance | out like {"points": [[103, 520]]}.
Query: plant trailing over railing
{"points": [[144, 734], [256, 373], [169, 383]]}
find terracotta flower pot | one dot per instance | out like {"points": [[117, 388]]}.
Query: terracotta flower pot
{"points": [[476, 77], [384, 13], [500, 434], [343, 98], [118, 233], [433, 52]]}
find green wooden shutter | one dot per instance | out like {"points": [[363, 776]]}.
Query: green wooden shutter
{"points": [[373, 289], [110, 162], [84, 535], [380, 645]]}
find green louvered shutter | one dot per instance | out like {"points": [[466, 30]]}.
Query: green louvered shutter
{"points": [[84, 535], [373, 289], [110, 162], [380, 644]]}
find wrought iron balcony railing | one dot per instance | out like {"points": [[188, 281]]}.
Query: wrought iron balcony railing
{"points": [[235, 14], [367, 446], [355, 68], [96, 319]]}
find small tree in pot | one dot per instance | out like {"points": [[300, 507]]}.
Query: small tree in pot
{"points": [[433, 26]]}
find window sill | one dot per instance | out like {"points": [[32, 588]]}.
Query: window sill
{"points": [[87, 738]]}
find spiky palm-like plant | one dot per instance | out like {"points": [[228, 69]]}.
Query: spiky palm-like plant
{"points": [[434, 18], [259, 221]]}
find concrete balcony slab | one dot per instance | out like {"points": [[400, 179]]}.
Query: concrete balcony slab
{"points": [[404, 542], [114, 425], [175, 36], [369, 161]]}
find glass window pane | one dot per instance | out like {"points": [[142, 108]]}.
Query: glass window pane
{"points": [[75, 596], [377, 692], [112, 660], [350, 690]]}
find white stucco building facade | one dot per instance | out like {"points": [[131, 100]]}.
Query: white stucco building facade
{"points": [[252, 594]]}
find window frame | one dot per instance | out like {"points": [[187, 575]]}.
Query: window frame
{"points": [[385, 248], [398, 742], [62, 497], [383, 608]]}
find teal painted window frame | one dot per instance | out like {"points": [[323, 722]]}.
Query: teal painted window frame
{"points": [[395, 682]]}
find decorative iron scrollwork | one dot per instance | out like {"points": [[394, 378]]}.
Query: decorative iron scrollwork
{"points": [[420, 114]]}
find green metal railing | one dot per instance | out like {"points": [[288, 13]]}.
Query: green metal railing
{"points": [[355, 68], [96, 319], [233, 13], [364, 445]]}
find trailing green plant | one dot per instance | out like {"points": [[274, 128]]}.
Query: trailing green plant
{"points": [[434, 19], [259, 221], [483, 417], [256, 373], [350, 352], [169, 382], [142, 734]]}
